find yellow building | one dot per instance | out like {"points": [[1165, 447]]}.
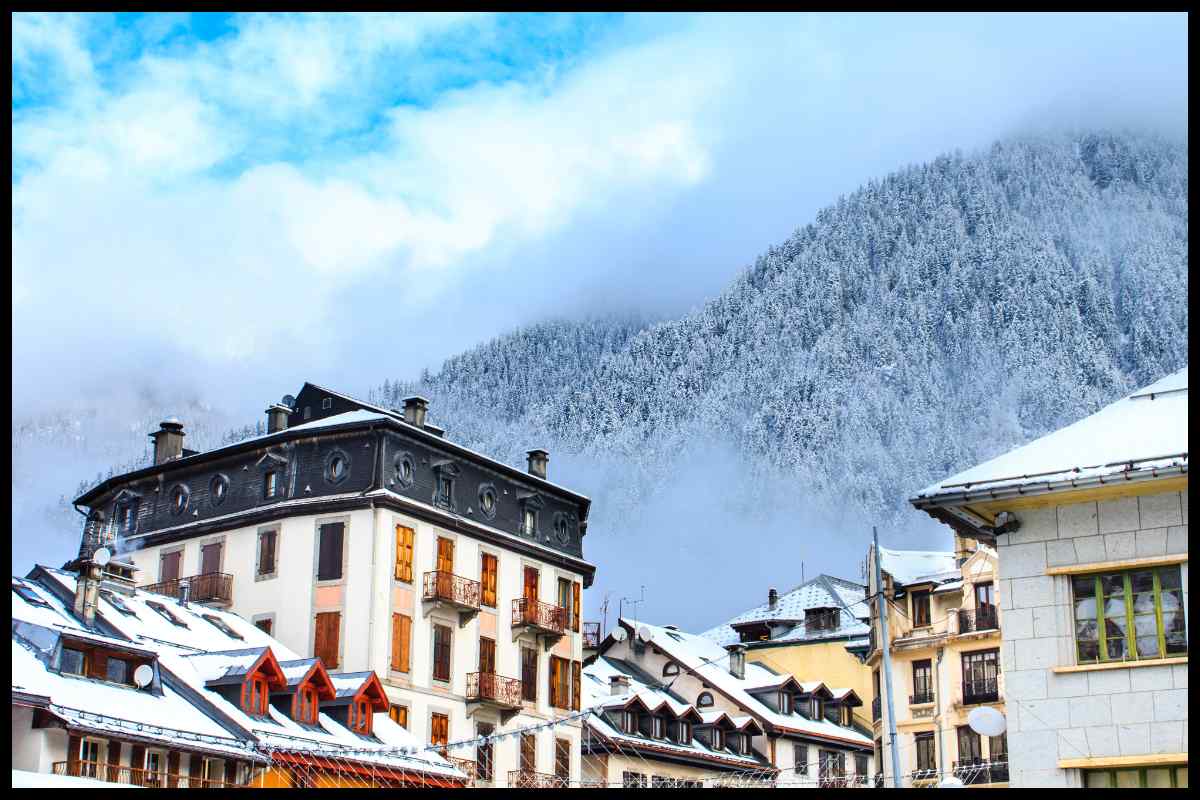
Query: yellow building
{"points": [[944, 630]]}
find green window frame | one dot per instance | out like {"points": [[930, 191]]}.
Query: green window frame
{"points": [[1137, 777], [1140, 615]]}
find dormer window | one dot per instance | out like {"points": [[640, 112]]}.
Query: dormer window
{"points": [[222, 626], [683, 731], [270, 484], [255, 694], [785, 703], [117, 670], [306, 705], [718, 739], [529, 522], [629, 722], [847, 716], [361, 717], [337, 467], [705, 700], [166, 614], [218, 489], [821, 619], [818, 708], [128, 514], [72, 661], [445, 473], [658, 728], [179, 499]]}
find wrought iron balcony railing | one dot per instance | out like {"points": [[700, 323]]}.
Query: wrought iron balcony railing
{"points": [[919, 775], [446, 587], [528, 779], [129, 776], [493, 689], [981, 690], [467, 767], [527, 613], [207, 587], [984, 618], [833, 781], [591, 635], [922, 697], [978, 770]]}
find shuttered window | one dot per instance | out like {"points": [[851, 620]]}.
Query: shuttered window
{"points": [[326, 639], [560, 682], [489, 566], [528, 752], [266, 552], [441, 653], [439, 730], [576, 684], [168, 566], [210, 558], [487, 655], [562, 760], [401, 641], [577, 590], [529, 673], [404, 554], [399, 715], [329, 551]]}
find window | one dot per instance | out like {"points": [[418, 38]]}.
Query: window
{"points": [[445, 495], [705, 700], [800, 758], [439, 730], [129, 515], [564, 598], [821, 619], [629, 722], [669, 669], [633, 780], [210, 558], [155, 767], [683, 731], [168, 566], [576, 596], [920, 609], [270, 484], [970, 746], [398, 715], [818, 708], [484, 752], [364, 717], [998, 748], [560, 682], [403, 469], [116, 602], [1137, 777], [179, 499], [327, 636], [487, 655], [658, 728], [31, 597], [1141, 615], [218, 489], [265, 624], [562, 760], [785, 703], [222, 626], [266, 552], [926, 754], [831, 765], [166, 614], [985, 596], [404, 554], [72, 662], [528, 752], [487, 500], [306, 705], [441, 652], [329, 551], [529, 521], [255, 695], [401, 642], [529, 673], [488, 568], [326, 403], [89, 757], [922, 682], [980, 671]]}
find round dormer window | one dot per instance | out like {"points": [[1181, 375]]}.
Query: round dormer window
{"points": [[404, 470], [218, 489], [179, 499], [487, 500], [337, 466], [562, 528]]}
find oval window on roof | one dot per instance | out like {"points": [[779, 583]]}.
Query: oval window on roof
{"points": [[487, 500], [337, 466], [218, 489], [403, 468], [179, 499], [705, 700]]}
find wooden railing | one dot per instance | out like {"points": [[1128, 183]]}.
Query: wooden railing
{"points": [[591, 635], [528, 779], [450, 588], [536, 614], [984, 618], [488, 687], [131, 776], [208, 587]]}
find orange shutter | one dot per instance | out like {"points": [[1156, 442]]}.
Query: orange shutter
{"points": [[325, 642], [401, 636], [404, 553], [531, 583], [488, 575], [445, 555], [575, 607], [576, 683]]}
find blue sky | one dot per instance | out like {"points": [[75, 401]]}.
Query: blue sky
{"points": [[220, 207]]}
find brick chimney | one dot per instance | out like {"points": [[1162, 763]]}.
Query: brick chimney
{"points": [[277, 417], [415, 408], [618, 685], [168, 440], [538, 461]]}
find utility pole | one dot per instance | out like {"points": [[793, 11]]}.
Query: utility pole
{"points": [[886, 645]]}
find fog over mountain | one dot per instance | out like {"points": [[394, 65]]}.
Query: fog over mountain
{"points": [[930, 320]]}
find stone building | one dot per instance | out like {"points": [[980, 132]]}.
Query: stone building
{"points": [[1091, 525]]}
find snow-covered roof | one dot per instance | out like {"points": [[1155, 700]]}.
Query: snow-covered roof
{"points": [[1145, 432], [918, 566], [710, 662], [823, 591], [22, 779]]}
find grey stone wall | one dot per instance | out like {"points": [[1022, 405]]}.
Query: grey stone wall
{"points": [[1113, 712]]}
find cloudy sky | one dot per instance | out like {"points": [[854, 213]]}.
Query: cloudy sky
{"points": [[229, 205]]}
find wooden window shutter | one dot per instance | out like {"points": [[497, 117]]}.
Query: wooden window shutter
{"points": [[195, 771], [73, 743], [552, 674], [487, 655], [114, 760], [329, 555], [210, 558], [325, 644], [401, 637], [445, 554], [576, 683], [404, 554], [173, 769], [575, 607], [231, 768], [531, 583], [137, 760]]}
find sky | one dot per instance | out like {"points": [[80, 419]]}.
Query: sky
{"points": [[223, 206]]}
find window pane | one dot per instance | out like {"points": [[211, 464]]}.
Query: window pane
{"points": [[118, 671], [1097, 779], [1128, 778], [1158, 778]]}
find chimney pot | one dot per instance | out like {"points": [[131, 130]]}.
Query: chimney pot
{"points": [[168, 440], [618, 685], [277, 417], [415, 408], [538, 461], [737, 661], [772, 598]]}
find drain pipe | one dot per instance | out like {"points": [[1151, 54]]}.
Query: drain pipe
{"points": [[937, 707], [887, 661]]}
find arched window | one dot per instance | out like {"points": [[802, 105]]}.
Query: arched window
{"points": [[705, 700], [670, 668]]}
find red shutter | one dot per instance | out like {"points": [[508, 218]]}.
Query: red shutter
{"points": [[575, 608], [325, 639]]}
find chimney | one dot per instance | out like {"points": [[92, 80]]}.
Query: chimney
{"points": [[168, 440], [737, 661], [87, 591], [277, 417], [414, 410], [538, 459], [618, 685], [772, 598]]}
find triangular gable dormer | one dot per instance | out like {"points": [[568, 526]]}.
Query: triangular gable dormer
{"points": [[263, 676], [309, 691], [269, 460], [369, 700]]}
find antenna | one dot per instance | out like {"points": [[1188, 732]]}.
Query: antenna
{"points": [[143, 675], [102, 556]]}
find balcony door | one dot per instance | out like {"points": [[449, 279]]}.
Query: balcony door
{"points": [[210, 558], [980, 669], [168, 566], [985, 605], [445, 566], [530, 591]]}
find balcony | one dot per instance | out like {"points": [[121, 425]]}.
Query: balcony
{"points": [[978, 771], [467, 767], [495, 691], [833, 782], [921, 698], [215, 588], [981, 690], [528, 779], [128, 776], [984, 618], [591, 636], [923, 776], [538, 617], [446, 588]]}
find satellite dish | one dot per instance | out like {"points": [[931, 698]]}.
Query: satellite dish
{"points": [[143, 675], [986, 721], [644, 635], [620, 635], [288, 401], [950, 782], [102, 556]]}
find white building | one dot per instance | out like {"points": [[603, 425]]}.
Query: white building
{"points": [[1091, 526]]}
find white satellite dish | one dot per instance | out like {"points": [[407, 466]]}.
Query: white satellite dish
{"points": [[102, 556], [986, 721], [644, 635], [143, 675], [950, 782], [619, 635]]}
